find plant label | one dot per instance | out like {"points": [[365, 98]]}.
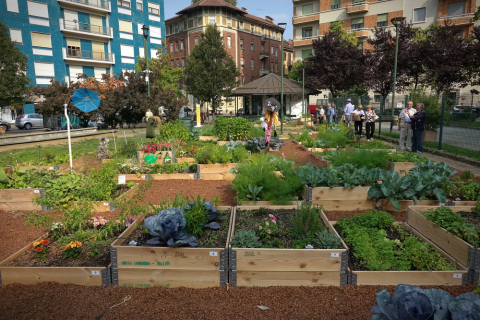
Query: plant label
{"points": [[105, 204], [36, 191], [191, 175], [457, 276], [213, 254], [51, 168], [95, 273], [122, 179], [143, 177], [335, 255]]}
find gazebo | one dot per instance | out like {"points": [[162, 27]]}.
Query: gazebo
{"points": [[255, 93]]}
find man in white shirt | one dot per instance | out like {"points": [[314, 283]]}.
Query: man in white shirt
{"points": [[405, 126], [321, 115], [348, 112]]}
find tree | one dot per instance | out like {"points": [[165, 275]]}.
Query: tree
{"points": [[349, 37], [296, 73], [474, 55], [210, 72], [476, 17], [337, 64], [13, 63], [232, 2]]}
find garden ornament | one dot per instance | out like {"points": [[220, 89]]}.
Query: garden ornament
{"points": [[150, 158], [102, 150], [272, 104]]}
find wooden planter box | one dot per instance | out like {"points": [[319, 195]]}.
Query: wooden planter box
{"points": [[84, 276], [173, 176], [160, 157], [188, 160], [418, 278], [19, 199], [402, 167], [217, 171], [270, 204], [110, 160], [459, 249], [48, 168], [208, 138], [222, 143], [336, 193], [168, 267], [288, 267]]}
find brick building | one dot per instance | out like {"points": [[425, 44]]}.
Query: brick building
{"points": [[253, 42]]}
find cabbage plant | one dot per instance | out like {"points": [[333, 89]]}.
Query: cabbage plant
{"points": [[168, 228]]}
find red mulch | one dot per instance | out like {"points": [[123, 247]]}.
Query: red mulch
{"points": [[293, 151]]}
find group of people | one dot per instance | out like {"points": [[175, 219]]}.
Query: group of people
{"points": [[357, 116], [330, 115]]}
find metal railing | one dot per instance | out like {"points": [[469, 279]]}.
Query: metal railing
{"points": [[306, 15], [85, 27], [94, 3], [460, 16], [89, 55], [264, 72]]}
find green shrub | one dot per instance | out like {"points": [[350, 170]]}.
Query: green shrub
{"points": [[175, 130], [362, 158], [325, 240], [214, 153], [233, 128], [245, 239], [306, 221]]}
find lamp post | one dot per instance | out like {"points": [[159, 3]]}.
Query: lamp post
{"points": [[282, 25], [396, 22], [145, 44]]}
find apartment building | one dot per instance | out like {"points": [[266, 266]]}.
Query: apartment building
{"points": [[287, 56], [312, 18], [64, 38], [253, 42]]}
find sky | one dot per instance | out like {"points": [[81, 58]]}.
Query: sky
{"points": [[279, 10]]}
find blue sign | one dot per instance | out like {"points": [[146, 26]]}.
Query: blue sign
{"points": [[386, 100], [28, 108]]}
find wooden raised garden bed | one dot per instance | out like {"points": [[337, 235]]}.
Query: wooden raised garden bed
{"points": [[402, 167], [222, 143], [217, 171], [166, 266], [208, 138], [459, 249], [160, 157], [19, 199], [187, 160], [287, 267], [85, 276], [143, 177]]}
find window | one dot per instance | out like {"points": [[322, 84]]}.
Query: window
{"points": [[12, 6], [456, 8], [276, 51], [171, 62], [252, 28], [241, 63], [253, 79], [252, 64], [73, 47], [171, 47], [99, 72], [16, 36], [155, 32], [335, 4], [139, 28], [229, 42], [307, 9], [178, 63], [357, 23], [306, 53], [139, 6], [176, 46], [154, 8], [183, 62], [126, 51], [252, 47], [37, 9], [211, 20], [271, 50], [43, 69], [243, 81], [141, 52], [182, 45], [124, 3], [41, 40], [360, 45], [271, 66], [382, 20], [196, 40], [307, 32], [125, 26], [419, 14], [276, 66], [241, 44]]}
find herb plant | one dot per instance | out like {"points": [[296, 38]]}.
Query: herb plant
{"points": [[245, 239], [306, 221]]}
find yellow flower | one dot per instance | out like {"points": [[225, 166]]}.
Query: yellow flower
{"points": [[36, 243]]}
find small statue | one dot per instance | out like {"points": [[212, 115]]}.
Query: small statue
{"points": [[102, 150]]}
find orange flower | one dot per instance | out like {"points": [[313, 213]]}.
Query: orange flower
{"points": [[30, 246], [45, 242], [78, 243], [39, 249], [36, 243]]}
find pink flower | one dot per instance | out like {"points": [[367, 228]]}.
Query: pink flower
{"points": [[274, 221], [270, 215], [259, 227], [266, 223], [265, 218], [268, 231]]}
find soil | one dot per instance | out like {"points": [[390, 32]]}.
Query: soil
{"points": [[210, 239], [162, 190], [475, 178], [337, 215], [471, 217], [293, 151], [55, 301]]}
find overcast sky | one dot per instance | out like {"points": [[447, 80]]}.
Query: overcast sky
{"points": [[279, 10]]}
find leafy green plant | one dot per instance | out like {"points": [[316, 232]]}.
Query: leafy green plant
{"points": [[325, 240], [362, 158], [306, 221], [220, 154], [175, 130], [233, 128], [406, 157], [245, 239], [72, 250], [253, 192]]}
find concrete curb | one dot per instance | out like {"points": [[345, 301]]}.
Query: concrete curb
{"points": [[50, 135]]}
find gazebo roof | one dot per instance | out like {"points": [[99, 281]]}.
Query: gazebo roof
{"points": [[271, 85]]}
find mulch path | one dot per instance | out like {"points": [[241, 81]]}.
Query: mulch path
{"points": [[337, 215], [162, 190], [293, 151], [475, 178], [55, 301]]}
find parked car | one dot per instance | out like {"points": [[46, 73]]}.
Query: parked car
{"points": [[5, 125], [27, 121], [240, 112]]}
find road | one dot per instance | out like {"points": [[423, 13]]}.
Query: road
{"points": [[15, 131]]}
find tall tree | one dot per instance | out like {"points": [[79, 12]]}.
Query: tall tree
{"points": [[232, 2], [338, 27], [210, 72], [13, 63], [296, 73], [474, 49], [336, 65]]}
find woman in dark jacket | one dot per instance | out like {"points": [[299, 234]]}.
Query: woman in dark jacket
{"points": [[418, 126]]}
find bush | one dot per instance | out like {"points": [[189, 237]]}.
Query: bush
{"points": [[175, 130], [433, 108], [362, 158], [233, 128], [220, 154]]}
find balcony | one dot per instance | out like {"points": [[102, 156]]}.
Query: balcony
{"points": [[264, 55], [75, 27], [358, 7], [458, 20], [100, 5], [312, 17], [305, 41], [90, 56], [264, 72], [263, 38], [359, 33]]}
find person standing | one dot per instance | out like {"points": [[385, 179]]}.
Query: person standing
{"points": [[405, 126], [330, 114], [348, 112], [335, 113], [321, 115], [418, 126], [359, 116], [370, 116]]}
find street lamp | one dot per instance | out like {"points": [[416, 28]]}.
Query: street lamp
{"points": [[397, 22], [305, 107], [281, 25], [145, 44]]}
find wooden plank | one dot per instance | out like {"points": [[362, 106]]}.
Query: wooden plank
{"points": [[339, 193], [459, 206], [207, 138], [417, 278], [187, 160], [48, 168], [222, 143], [25, 205], [18, 195], [217, 176], [85, 276], [279, 278], [168, 278], [216, 168], [331, 228], [453, 245], [19, 252], [267, 204], [174, 176], [273, 207], [351, 205]]}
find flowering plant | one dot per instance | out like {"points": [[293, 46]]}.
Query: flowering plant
{"points": [[40, 248], [129, 222], [98, 221], [72, 250], [268, 227], [153, 147], [187, 151]]}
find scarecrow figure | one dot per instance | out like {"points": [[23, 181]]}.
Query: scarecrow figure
{"points": [[102, 150]]}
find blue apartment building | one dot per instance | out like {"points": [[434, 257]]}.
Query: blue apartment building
{"points": [[64, 38]]}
